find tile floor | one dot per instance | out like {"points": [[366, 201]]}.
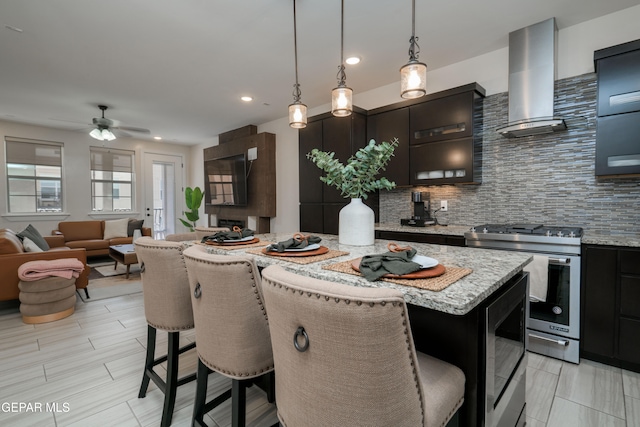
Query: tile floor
{"points": [[87, 370]]}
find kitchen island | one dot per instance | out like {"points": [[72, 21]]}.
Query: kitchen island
{"points": [[449, 324]]}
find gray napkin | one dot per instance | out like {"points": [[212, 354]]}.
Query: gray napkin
{"points": [[222, 236], [373, 267], [293, 244]]}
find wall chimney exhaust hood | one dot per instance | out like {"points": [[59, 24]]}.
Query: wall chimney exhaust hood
{"points": [[532, 73]]}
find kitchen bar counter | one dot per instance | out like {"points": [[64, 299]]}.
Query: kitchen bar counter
{"points": [[491, 269], [448, 325]]}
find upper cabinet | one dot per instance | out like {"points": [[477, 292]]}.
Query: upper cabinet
{"points": [[439, 137], [387, 126], [442, 119], [618, 106]]}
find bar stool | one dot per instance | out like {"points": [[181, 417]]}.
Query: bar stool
{"points": [[232, 330], [344, 356], [167, 306]]}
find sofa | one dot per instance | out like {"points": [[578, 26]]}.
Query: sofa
{"points": [[90, 235], [13, 255]]}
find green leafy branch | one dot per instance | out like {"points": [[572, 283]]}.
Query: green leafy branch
{"points": [[358, 177], [193, 199]]}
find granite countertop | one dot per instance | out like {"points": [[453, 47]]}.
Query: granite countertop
{"points": [[612, 240], [491, 269], [449, 230]]}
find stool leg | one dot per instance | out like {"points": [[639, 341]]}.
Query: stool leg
{"points": [[201, 394], [173, 353], [238, 403], [148, 363]]}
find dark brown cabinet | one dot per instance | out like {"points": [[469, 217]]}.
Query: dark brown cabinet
{"points": [[618, 107], [320, 204], [386, 127], [610, 312], [442, 119], [437, 239]]}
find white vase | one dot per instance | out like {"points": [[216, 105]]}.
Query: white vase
{"points": [[356, 227]]}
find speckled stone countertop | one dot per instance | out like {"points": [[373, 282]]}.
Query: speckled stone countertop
{"points": [[608, 239], [449, 230], [491, 269]]}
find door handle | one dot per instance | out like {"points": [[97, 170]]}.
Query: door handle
{"points": [[564, 343]]}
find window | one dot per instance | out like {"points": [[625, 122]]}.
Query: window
{"points": [[34, 176], [111, 180]]}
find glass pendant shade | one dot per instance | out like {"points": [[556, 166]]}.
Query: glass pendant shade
{"points": [[341, 101], [413, 80], [102, 134], [297, 115]]}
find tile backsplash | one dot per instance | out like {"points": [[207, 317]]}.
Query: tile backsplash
{"points": [[546, 178]]}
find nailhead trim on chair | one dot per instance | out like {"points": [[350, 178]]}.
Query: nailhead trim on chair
{"points": [[179, 250], [373, 304], [264, 313]]}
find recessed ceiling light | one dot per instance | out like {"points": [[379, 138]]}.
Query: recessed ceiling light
{"points": [[246, 98], [157, 137], [12, 28], [352, 60]]}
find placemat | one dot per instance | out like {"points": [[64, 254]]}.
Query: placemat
{"points": [[303, 260], [259, 244], [436, 284]]}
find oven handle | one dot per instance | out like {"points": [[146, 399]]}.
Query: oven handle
{"points": [[560, 260], [559, 342]]}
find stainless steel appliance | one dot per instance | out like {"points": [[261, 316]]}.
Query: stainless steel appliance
{"points": [[506, 363], [554, 324], [421, 205]]}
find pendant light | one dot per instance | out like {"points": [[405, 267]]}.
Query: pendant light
{"points": [[297, 110], [413, 76], [341, 96]]}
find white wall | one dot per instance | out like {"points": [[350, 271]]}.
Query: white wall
{"points": [[77, 178], [575, 57]]}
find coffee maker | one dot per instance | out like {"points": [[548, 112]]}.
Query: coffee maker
{"points": [[421, 205]]}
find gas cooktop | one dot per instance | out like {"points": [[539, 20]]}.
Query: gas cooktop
{"points": [[533, 229]]}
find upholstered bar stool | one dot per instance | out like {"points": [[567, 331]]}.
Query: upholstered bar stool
{"points": [[344, 356], [198, 234], [232, 330], [167, 306]]}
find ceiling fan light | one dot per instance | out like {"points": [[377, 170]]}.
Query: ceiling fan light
{"points": [[97, 134], [298, 115], [108, 135], [413, 80]]}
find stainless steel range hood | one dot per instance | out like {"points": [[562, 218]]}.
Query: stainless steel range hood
{"points": [[532, 73]]}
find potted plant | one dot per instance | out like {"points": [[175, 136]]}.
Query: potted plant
{"points": [[193, 199], [355, 180]]}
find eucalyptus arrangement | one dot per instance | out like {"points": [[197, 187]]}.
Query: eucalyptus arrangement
{"points": [[193, 200], [358, 176]]}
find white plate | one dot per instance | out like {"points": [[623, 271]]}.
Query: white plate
{"points": [[244, 239], [311, 247], [425, 261]]}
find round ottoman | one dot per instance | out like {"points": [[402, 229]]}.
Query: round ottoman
{"points": [[48, 299]]}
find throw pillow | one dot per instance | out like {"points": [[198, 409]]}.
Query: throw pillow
{"points": [[115, 228], [30, 246], [134, 224], [34, 236]]}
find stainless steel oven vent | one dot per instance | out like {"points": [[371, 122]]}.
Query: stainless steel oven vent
{"points": [[532, 73]]}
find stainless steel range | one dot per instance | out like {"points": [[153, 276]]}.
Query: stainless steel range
{"points": [[553, 318]]}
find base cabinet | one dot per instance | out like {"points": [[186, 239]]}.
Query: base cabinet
{"points": [[436, 239], [610, 312]]}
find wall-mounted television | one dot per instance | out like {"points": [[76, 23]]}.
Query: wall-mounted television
{"points": [[226, 181]]}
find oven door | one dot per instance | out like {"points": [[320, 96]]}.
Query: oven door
{"points": [[560, 313], [506, 357]]}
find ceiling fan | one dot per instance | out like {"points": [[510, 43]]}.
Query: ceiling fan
{"points": [[106, 129]]}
